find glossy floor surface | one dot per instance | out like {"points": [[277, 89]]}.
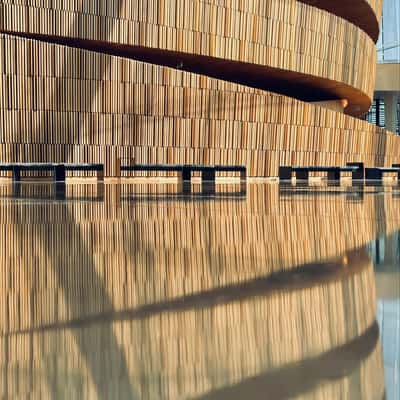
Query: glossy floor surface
{"points": [[166, 291]]}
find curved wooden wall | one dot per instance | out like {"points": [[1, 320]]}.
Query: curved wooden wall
{"points": [[366, 14], [87, 105], [281, 37]]}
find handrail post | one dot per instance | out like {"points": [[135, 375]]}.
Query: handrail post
{"points": [[358, 174], [243, 174], [16, 173], [59, 173], [334, 175], [285, 173], [100, 173], [208, 174], [186, 173], [373, 174], [302, 175]]}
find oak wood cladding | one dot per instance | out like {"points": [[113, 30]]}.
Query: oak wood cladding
{"points": [[365, 14], [80, 106], [285, 35], [63, 104]]}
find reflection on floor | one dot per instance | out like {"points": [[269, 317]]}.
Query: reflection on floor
{"points": [[385, 252], [176, 300], [389, 322]]}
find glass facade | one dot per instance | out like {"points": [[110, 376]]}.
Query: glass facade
{"points": [[389, 41], [385, 253], [376, 114], [388, 48]]}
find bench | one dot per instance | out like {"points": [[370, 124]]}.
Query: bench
{"points": [[208, 172], [376, 173], [334, 173], [58, 170]]}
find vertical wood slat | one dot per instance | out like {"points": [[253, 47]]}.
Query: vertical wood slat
{"points": [[79, 106]]}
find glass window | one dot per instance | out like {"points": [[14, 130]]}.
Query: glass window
{"points": [[389, 41]]}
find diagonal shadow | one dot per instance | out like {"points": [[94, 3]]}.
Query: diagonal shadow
{"points": [[67, 269], [59, 262], [297, 279], [302, 377]]}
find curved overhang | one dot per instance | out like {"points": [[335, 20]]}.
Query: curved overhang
{"points": [[297, 85], [358, 12]]}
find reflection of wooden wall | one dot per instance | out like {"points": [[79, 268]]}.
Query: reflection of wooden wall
{"points": [[146, 252], [63, 374], [366, 383], [176, 355], [69, 261]]}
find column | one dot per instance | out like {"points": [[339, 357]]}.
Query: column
{"points": [[390, 100]]}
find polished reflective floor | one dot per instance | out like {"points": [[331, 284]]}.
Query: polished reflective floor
{"points": [[227, 291]]}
